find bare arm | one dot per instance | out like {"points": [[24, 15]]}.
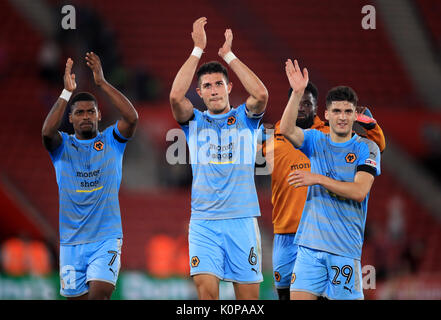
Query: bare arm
{"points": [[298, 82], [182, 108], [258, 98], [129, 116], [51, 137], [356, 190]]}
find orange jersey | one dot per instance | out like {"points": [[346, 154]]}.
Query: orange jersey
{"points": [[287, 201], [375, 134]]}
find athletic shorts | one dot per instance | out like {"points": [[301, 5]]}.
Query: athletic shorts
{"points": [[284, 256], [325, 274], [229, 249], [86, 262]]}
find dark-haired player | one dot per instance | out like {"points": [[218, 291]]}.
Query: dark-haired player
{"points": [[343, 168], [288, 202], [88, 167], [224, 238]]}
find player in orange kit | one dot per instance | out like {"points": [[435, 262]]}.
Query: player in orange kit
{"points": [[288, 202]]}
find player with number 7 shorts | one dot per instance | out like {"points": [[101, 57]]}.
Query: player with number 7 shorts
{"points": [[88, 168]]}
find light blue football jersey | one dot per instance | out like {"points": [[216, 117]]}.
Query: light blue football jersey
{"points": [[329, 222], [89, 175], [222, 155]]}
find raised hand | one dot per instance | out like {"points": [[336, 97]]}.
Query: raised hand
{"points": [[227, 44], [69, 77], [198, 35], [94, 63], [297, 80]]}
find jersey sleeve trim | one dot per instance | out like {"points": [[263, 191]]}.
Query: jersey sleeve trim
{"points": [[368, 169], [253, 115], [186, 123], [117, 135]]}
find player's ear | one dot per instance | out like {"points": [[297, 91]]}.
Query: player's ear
{"points": [[326, 114], [229, 87], [198, 90], [99, 115], [70, 117], [355, 114], [314, 109]]}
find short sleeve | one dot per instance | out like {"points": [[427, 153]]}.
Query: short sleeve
{"points": [[185, 126], [308, 144], [252, 119], [369, 159], [56, 154], [117, 135]]}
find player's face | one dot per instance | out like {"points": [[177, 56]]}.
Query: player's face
{"points": [[214, 90], [307, 111], [341, 116], [84, 118]]}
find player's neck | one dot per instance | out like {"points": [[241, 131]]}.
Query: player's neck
{"points": [[86, 136], [225, 110], [338, 138]]}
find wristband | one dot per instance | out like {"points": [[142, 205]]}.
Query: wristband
{"points": [[229, 57], [65, 94], [197, 52]]}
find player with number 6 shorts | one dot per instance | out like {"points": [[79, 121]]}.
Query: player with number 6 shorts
{"points": [[224, 238]]}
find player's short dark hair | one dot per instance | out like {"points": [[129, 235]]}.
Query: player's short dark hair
{"points": [[341, 93], [311, 88], [82, 96], [211, 67]]}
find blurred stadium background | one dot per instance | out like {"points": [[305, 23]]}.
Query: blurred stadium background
{"points": [[395, 69]]}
